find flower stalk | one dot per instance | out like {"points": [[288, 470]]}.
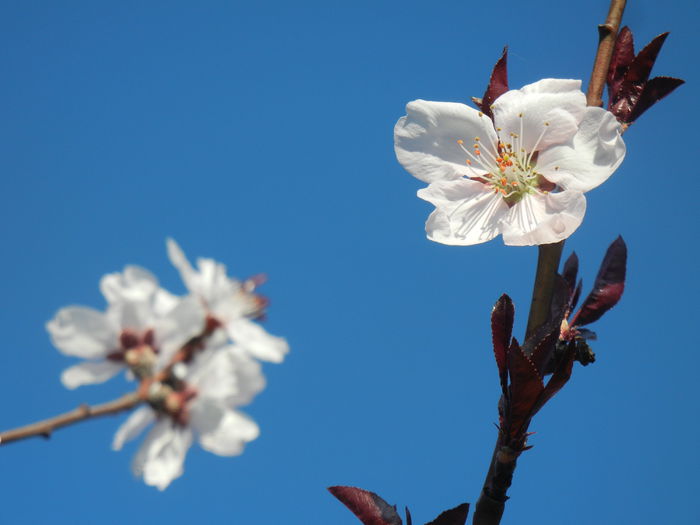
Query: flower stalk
{"points": [[491, 504]]}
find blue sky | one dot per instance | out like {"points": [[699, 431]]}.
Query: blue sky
{"points": [[260, 134]]}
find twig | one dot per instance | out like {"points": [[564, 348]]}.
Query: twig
{"points": [[607, 33], [46, 427], [491, 504]]}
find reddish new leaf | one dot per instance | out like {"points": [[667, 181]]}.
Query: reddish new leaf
{"points": [[502, 318], [570, 272], [608, 287], [525, 387], [455, 516], [623, 54], [498, 84], [640, 68], [576, 296], [654, 90], [559, 378], [544, 352], [367, 506]]}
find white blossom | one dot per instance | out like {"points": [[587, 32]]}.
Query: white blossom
{"points": [[231, 303], [521, 175], [141, 321], [198, 401]]}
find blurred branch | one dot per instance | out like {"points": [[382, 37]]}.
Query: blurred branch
{"points": [[46, 427], [491, 504]]}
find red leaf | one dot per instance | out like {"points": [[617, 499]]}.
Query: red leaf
{"points": [[654, 90], [367, 506], [559, 378], [543, 352], [608, 287], [502, 317], [570, 272], [576, 296], [623, 54], [455, 516], [525, 387], [498, 83], [640, 68]]}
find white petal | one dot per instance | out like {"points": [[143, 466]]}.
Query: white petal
{"points": [[594, 154], [162, 454], [425, 140], [90, 373], [138, 315], [547, 219], [254, 339], [133, 284], [466, 213], [182, 323], [227, 374], [222, 431], [137, 421], [163, 302], [556, 101], [177, 257], [82, 332]]}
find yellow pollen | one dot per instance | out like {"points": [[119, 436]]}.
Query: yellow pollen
{"points": [[481, 114], [476, 139], [460, 141], [520, 115], [546, 123]]}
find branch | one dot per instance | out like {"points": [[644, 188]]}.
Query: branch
{"points": [[491, 504], [606, 42], [46, 427]]}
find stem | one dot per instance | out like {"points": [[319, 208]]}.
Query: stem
{"points": [[47, 426], [607, 34], [492, 501]]}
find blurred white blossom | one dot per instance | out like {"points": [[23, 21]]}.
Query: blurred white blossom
{"points": [[521, 175], [196, 401], [141, 321], [231, 303]]}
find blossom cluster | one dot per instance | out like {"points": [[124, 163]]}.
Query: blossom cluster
{"points": [[196, 358]]}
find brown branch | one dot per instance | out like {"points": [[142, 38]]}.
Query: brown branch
{"points": [[547, 266], [46, 427], [492, 501], [607, 34]]}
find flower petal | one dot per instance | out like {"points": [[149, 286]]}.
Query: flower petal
{"points": [[227, 374], [558, 102], [425, 140], [222, 431], [594, 154], [82, 332], [162, 454], [137, 421], [133, 284], [183, 322], [255, 340], [543, 219], [179, 261], [90, 373], [466, 213]]}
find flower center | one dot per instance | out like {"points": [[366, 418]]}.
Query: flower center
{"points": [[510, 169]]}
